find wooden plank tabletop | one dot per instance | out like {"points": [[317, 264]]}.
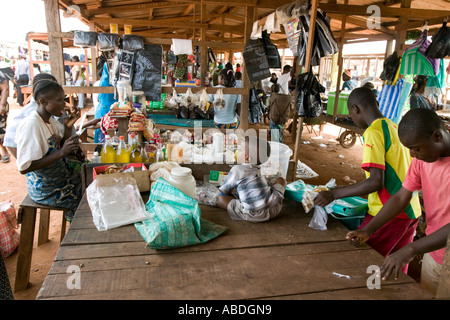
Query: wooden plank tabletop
{"points": [[279, 259]]}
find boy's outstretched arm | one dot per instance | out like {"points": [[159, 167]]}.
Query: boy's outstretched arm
{"points": [[395, 261], [374, 183], [396, 204]]}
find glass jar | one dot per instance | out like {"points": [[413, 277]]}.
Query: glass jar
{"points": [[182, 179]]}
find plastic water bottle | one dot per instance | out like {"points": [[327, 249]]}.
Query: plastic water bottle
{"points": [[96, 158]]}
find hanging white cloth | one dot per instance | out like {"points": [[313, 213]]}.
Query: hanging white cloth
{"points": [[272, 24], [182, 46], [256, 31]]}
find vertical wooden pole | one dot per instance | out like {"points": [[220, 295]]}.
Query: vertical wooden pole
{"points": [[401, 34], [309, 49], [204, 49], [94, 53], [54, 44], [340, 62], [245, 98]]}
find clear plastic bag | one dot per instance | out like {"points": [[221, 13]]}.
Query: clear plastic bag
{"points": [[206, 193], [117, 204], [320, 216], [219, 102]]}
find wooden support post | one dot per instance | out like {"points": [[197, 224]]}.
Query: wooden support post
{"points": [[94, 53], [401, 34], [309, 49], [55, 44], [204, 49], [340, 62], [245, 98]]}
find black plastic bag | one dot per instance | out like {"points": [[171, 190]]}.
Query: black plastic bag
{"points": [[273, 56], [85, 39], [390, 67], [132, 42], [308, 102], [147, 72], [256, 62], [108, 41], [440, 45]]}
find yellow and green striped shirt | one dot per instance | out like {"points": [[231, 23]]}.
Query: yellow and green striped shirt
{"points": [[383, 149]]}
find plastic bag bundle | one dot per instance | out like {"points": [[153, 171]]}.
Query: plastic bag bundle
{"points": [[177, 219], [320, 216], [207, 194], [117, 204], [132, 42], [203, 103], [85, 39], [108, 41]]}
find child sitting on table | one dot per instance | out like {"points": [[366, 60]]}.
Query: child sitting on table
{"points": [[255, 200], [424, 134]]}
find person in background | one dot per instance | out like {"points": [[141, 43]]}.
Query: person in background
{"points": [[284, 79], [423, 132], [226, 111], [22, 75], [42, 152], [386, 162], [215, 74], [10, 134], [370, 86], [417, 98], [78, 80], [4, 111], [255, 200], [348, 82], [238, 77], [278, 106], [238, 67]]}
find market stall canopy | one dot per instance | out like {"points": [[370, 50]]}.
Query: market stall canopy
{"points": [[225, 19]]}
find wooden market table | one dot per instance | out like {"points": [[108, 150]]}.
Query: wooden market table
{"points": [[279, 259]]}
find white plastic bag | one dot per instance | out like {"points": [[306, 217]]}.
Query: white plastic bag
{"points": [[320, 216], [117, 204], [203, 103]]}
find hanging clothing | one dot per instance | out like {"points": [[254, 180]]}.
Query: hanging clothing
{"points": [[324, 42], [104, 105]]}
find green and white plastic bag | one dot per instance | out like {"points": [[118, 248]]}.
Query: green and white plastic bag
{"points": [[176, 219]]}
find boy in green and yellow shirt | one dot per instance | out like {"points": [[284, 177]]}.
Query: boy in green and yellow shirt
{"points": [[386, 162]]}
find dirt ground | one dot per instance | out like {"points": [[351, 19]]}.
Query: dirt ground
{"points": [[329, 160]]}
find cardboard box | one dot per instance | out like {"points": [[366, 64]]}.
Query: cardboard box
{"points": [[141, 175], [217, 177]]}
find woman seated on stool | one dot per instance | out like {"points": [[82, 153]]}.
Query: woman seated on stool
{"points": [[42, 151]]}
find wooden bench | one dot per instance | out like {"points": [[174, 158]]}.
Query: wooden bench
{"points": [[26, 216]]}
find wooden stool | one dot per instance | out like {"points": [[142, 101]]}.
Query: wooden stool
{"points": [[27, 217]]}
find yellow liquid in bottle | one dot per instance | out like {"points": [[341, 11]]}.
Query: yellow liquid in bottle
{"points": [[108, 155], [136, 156], [123, 156]]}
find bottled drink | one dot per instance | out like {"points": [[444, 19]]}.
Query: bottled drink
{"points": [[96, 158], [122, 154], [135, 155], [108, 154]]}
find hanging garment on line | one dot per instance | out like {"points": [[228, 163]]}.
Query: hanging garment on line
{"points": [[324, 42], [414, 60], [440, 45]]}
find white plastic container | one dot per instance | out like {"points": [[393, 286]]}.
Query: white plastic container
{"points": [[281, 153], [182, 179]]}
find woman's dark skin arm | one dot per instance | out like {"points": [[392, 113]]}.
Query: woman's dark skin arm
{"points": [[374, 183], [395, 261], [70, 145]]}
